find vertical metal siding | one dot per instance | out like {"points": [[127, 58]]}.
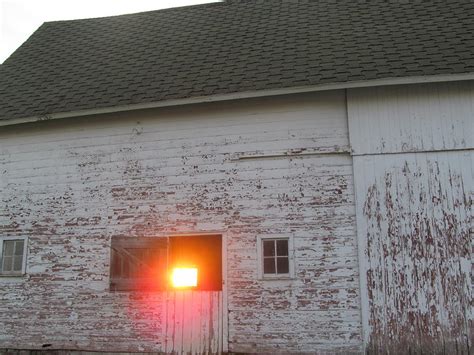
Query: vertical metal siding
{"points": [[411, 118], [414, 215], [414, 220]]}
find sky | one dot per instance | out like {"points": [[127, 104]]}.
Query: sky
{"points": [[20, 18]]}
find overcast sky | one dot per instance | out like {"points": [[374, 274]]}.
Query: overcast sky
{"points": [[20, 18]]}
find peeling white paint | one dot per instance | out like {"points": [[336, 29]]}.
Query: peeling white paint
{"points": [[414, 189], [70, 186], [263, 167]]}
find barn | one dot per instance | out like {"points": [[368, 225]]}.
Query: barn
{"points": [[241, 177]]}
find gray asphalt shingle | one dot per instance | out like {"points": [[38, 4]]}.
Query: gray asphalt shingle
{"points": [[222, 48]]}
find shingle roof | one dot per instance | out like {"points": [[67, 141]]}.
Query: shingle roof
{"points": [[232, 47]]}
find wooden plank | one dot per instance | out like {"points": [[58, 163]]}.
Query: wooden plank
{"points": [[214, 320], [224, 315], [188, 316], [219, 315], [180, 318], [171, 322], [204, 324], [196, 323]]}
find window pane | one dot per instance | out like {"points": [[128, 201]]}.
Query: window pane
{"points": [[19, 247], [269, 266], [116, 264], [7, 263], [17, 262], [283, 266], [282, 247], [131, 267], [125, 268], [8, 246], [268, 248], [137, 253], [133, 272]]}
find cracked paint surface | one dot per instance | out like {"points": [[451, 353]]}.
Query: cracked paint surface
{"points": [[413, 170], [71, 186]]}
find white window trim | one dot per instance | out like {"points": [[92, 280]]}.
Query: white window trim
{"points": [[291, 258], [25, 249]]}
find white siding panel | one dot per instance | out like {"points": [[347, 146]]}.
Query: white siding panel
{"points": [[411, 118]]}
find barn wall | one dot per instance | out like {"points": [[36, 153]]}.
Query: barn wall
{"points": [[413, 170], [265, 167], [412, 118]]}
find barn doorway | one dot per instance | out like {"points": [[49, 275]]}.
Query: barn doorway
{"points": [[188, 272], [195, 316]]}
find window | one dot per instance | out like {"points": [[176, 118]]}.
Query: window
{"points": [[203, 252], [12, 256], [136, 263], [275, 257], [148, 264]]}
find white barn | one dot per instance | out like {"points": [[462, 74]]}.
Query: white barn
{"points": [[311, 161]]}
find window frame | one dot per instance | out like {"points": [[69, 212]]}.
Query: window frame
{"points": [[25, 253], [172, 252], [291, 258], [119, 284]]}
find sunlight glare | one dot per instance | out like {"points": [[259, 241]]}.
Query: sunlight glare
{"points": [[184, 277]]}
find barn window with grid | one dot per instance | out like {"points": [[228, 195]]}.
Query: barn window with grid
{"points": [[12, 256], [275, 257]]}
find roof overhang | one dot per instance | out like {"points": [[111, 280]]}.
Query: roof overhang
{"points": [[246, 95]]}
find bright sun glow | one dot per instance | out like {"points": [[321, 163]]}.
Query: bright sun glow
{"points": [[184, 277]]}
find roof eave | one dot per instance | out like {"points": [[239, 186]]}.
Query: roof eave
{"points": [[245, 95]]}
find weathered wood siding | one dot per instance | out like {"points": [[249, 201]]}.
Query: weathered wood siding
{"points": [[192, 322], [274, 166], [413, 170]]}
